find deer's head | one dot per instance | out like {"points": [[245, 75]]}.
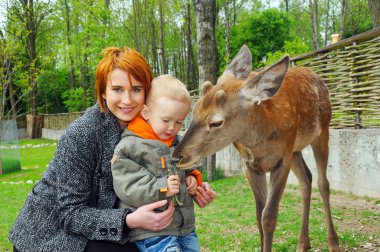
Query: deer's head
{"points": [[223, 114]]}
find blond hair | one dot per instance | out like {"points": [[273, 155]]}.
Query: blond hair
{"points": [[169, 87]]}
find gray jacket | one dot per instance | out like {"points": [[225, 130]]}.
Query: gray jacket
{"points": [[138, 176], [73, 201]]}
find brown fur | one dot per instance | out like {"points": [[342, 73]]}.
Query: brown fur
{"points": [[269, 117]]}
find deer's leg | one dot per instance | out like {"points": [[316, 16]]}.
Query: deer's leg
{"points": [[258, 184], [278, 177], [321, 152], [304, 177]]}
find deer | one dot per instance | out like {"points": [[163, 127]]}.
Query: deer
{"points": [[269, 116]]}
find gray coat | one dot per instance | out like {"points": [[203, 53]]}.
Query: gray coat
{"points": [[138, 177], [73, 201]]}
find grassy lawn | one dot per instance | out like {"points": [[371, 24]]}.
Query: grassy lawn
{"points": [[14, 187], [229, 223]]}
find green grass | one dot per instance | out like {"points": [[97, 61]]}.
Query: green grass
{"points": [[33, 163], [229, 223]]}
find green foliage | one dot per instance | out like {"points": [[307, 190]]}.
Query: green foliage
{"points": [[70, 37], [357, 19], [51, 88], [263, 33], [73, 99], [293, 48]]}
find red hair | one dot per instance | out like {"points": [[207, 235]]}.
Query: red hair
{"points": [[126, 59]]}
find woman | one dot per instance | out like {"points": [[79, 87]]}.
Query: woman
{"points": [[73, 206]]}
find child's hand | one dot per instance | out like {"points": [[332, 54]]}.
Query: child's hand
{"points": [[192, 185], [173, 185]]}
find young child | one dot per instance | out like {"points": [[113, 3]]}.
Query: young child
{"points": [[143, 171]]}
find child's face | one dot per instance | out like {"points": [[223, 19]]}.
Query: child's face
{"points": [[125, 100], [166, 116]]}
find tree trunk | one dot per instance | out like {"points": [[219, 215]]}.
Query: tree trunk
{"points": [[344, 5], [154, 45], [190, 73], [182, 56], [287, 5], [85, 76], [162, 39], [327, 22], [12, 99], [227, 14], [136, 23], [205, 15], [314, 22], [374, 7], [31, 28], [68, 30], [107, 3]]}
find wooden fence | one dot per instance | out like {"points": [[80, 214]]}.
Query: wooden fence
{"points": [[59, 121], [351, 69]]}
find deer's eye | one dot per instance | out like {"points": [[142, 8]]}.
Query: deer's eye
{"points": [[215, 124]]}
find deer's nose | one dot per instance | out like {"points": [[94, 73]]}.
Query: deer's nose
{"points": [[176, 155]]}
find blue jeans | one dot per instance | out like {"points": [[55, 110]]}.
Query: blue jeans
{"points": [[167, 243]]}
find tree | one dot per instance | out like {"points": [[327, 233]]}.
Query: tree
{"points": [[67, 16], [357, 19], [190, 64], [6, 72], [228, 25], [256, 31], [30, 14], [374, 7], [327, 23], [344, 4], [314, 22], [205, 15], [164, 68]]}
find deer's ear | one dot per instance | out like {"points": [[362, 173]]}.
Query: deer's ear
{"points": [[206, 86], [241, 65], [267, 82]]}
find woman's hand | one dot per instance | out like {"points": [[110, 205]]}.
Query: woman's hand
{"points": [[145, 217], [204, 195]]}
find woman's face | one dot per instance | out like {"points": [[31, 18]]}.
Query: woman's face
{"points": [[125, 100]]}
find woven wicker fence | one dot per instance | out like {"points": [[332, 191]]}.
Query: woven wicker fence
{"points": [[59, 121], [351, 69]]}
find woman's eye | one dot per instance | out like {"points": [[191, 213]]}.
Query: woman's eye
{"points": [[215, 124], [117, 89], [137, 89], [179, 123]]}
